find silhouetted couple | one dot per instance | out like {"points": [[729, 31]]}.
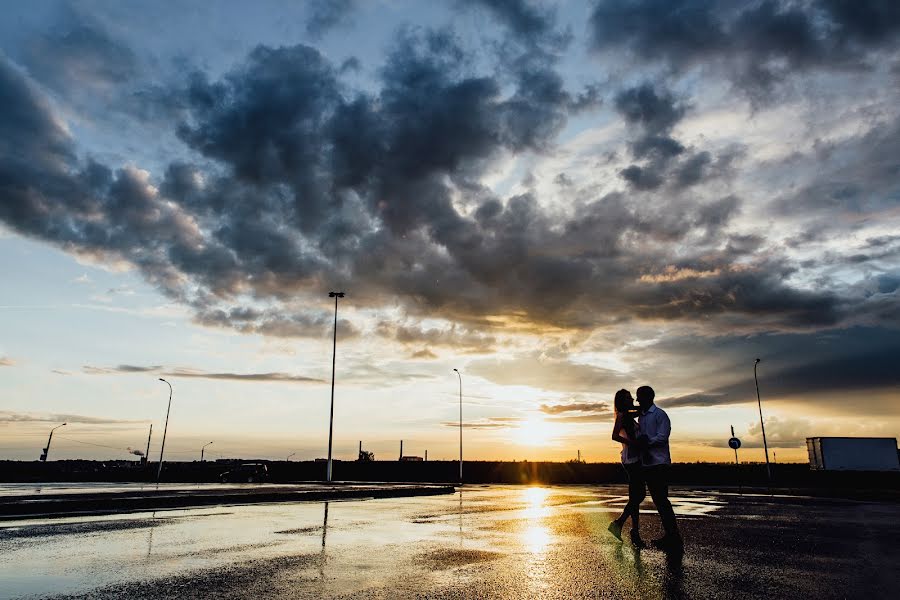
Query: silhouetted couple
{"points": [[643, 431]]}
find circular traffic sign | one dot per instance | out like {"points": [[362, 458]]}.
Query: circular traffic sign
{"points": [[734, 443]]}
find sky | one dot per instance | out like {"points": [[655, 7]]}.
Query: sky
{"points": [[560, 199]]}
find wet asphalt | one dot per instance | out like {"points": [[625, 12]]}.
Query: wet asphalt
{"points": [[482, 542]]}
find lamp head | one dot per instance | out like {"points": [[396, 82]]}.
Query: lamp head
{"points": [[457, 370], [335, 294], [758, 360]]}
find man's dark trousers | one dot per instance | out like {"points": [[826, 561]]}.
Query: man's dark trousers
{"points": [[657, 478]]}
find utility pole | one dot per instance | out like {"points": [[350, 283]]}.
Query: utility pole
{"points": [[460, 427], [334, 295], [49, 439], [401, 450], [165, 430], [147, 454], [761, 421], [735, 446]]}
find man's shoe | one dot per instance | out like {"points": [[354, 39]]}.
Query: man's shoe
{"points": [[615, 528], [636, 540], [668, 542]]}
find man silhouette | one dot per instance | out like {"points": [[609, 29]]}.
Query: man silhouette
{"points": [[655, 428]]}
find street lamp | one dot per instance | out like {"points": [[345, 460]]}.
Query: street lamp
{"points": [[47, 449], [202, 449], [165, 430], [334, 295], [761, 422], [288, 459], [460, 425]]}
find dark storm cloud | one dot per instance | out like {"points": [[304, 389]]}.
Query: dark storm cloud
{"points": [[653, 111], [325, 15], [656, 110], [276, 323], [529, 22], [299, 183], [756, 44], [452, 337], [858, 175], [822, 369], [79, 53]]}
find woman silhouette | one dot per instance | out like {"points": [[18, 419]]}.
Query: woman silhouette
{"points": [[625, 431]]}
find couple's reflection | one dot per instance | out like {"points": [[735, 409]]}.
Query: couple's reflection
{"points": [[632, 565], [673, 579]]}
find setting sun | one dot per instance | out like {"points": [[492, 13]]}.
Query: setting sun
{"points": [[536, 432]]}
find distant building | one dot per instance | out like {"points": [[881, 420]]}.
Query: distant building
{"points": [[853, 454], [411, 458]]}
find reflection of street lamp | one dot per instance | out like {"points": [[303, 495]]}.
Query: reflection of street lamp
{"points": [[165, 430], [202, 449], [761, 422], [334, 295], [460, 424], [288, 459], [47, 449]]}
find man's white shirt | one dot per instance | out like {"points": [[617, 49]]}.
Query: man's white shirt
{"points": [[656, 426]]}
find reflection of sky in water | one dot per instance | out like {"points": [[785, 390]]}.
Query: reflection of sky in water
{"points": [[536, 536], [367, 544]]}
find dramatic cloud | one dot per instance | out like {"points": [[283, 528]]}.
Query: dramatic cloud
{"points": [[545, 373], [325, 15], [654, 112], [591, 407], [183, 372], [270, 377], [487, 423], [529, 22], [458, 338], [80, 54], [578, 412], [17, 417], [316, 186], [756, 44], [823, 371]]}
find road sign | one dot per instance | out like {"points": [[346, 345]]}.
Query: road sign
{"points": [[734, 443]]}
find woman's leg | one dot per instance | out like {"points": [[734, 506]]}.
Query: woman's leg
{"points": [[636, 493]]}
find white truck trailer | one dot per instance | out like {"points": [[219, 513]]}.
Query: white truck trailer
{"points": [[853, 454]]}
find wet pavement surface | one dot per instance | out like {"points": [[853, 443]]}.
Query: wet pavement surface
{"points": [[44, 500], [482, 542]]}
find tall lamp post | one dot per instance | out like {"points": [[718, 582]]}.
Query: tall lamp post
{"points": [[460, 426], [47, 449], [165, 430], [334, 295], [761, 422], [288, 459], [203, 449]]}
